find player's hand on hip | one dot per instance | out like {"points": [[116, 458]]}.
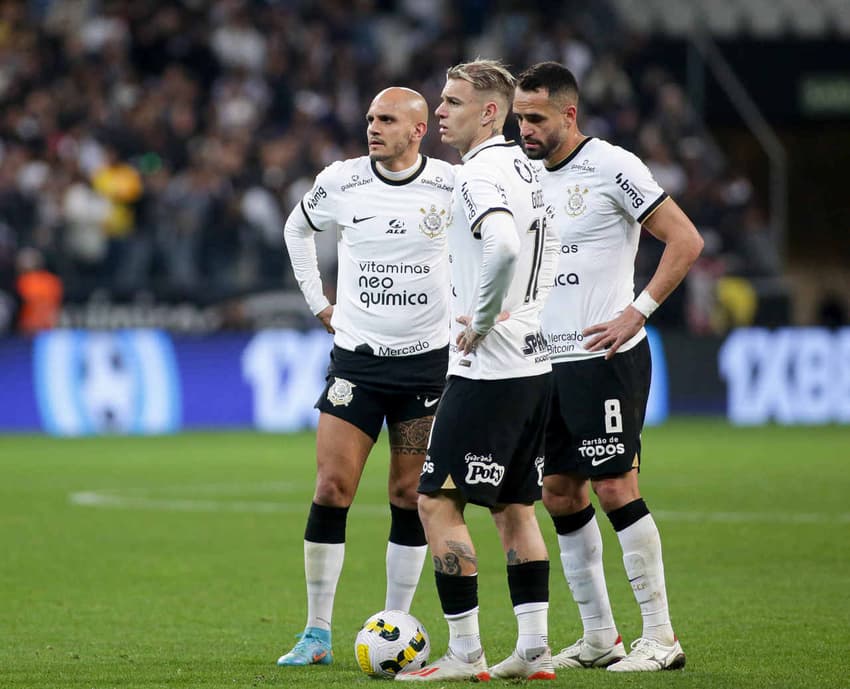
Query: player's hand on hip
{"points": [[325, 317], [468, 339], [611, 335]]}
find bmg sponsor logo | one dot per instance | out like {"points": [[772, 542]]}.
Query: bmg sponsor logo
{"points": [[318, 194], [632, 192]]}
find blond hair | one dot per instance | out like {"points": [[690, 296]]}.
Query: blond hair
{"points": [[487, 76]]}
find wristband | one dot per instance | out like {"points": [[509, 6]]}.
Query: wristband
{"points": [[645, 304]]}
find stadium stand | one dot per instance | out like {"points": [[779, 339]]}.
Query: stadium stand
{"points": [[150, 150]]}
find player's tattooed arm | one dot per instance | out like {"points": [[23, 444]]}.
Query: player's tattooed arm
{"points": [[452, 562], [410, 437]]}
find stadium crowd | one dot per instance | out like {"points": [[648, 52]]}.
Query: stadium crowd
{"points": [[156, 147]]}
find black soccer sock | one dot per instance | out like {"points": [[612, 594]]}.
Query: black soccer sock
{"points": [[568, 523], [528, 582], [326, 524], [457, 594], [405, 527], [623, 517]]}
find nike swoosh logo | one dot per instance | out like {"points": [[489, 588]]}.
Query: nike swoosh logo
{"points": [[431, 403], [596, 461], [356, 220]]}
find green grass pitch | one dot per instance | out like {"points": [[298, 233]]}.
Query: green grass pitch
{"points": [[177, 561]]}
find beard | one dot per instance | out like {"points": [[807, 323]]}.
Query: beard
{"points": [[387, 152], [543, 148]]}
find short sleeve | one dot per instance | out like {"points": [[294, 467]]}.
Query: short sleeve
{"points": [[319, 205], [481, 194], [634, 188]]}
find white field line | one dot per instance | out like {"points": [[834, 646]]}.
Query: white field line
{"points": [[137, 500]]}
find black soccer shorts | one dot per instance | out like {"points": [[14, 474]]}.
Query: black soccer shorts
{"points": [[487, 440], [364, 389], [597, 413]]}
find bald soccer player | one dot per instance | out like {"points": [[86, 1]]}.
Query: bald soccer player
{"points": [[389, 210]]}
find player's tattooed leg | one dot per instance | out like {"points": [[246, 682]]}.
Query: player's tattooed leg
{"points": [[411, 437]]}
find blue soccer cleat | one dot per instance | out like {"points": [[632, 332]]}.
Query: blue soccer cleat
{"points": [[313, 648]]}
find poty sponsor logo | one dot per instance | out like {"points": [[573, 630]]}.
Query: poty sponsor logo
{"points": [[482, 469], [538, 464]]}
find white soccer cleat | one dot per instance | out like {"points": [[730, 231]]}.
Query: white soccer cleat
{"points": [[583, 655], [449, 667], [648, 655], [516, 666]]}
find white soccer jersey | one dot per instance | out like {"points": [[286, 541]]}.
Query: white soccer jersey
{"points": [[392, 282], [498, 177], [596, 199]]}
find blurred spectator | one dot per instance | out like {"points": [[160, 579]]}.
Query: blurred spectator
{"points": [[120, 185], [154, 147], [39, 291], [84, 244], [755, 250]]}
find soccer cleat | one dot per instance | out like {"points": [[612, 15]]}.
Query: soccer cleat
{"points": [[647, 655], [449, 667], [516, 666], [313, 648], [583, 655]]}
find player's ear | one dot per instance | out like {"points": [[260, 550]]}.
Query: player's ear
{"points": [[488, 115], [419, 130], [570, 113]]}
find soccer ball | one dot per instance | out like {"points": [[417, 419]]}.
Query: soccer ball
{"points": [[391, 641]]}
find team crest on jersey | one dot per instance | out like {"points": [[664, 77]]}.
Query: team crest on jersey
{"points": [[341, 392], [575, 201], [433, 222]]}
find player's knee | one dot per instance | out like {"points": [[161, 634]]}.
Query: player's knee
{"points": [[559, 503], [560, 498], [614, 492], [405, 495], [334, 491]]}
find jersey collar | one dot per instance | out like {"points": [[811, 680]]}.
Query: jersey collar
{"points": [[573, 154], [398, 182], [498, 140]]}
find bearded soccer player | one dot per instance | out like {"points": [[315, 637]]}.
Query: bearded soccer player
{"points": [[599, 196], [487, 441], [390, 210]]}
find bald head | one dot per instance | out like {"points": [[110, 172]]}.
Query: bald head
{"points": [[404, 99], [397, 119]]}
